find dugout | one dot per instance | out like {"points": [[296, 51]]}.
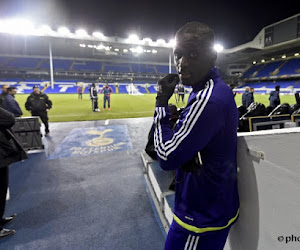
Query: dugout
{"points": [[268, 178]]}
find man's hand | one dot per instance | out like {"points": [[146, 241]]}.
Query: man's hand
{"points": [[47, 110], [165, 89]]}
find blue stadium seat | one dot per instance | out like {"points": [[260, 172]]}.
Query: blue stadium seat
{"points": [[87, 66], [253, 69], [22, 63], [123, 68], [291, 67], [165, 69], [143, 68], [268, 69]]}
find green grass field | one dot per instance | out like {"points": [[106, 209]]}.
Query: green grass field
{"points": [[66, 107]]}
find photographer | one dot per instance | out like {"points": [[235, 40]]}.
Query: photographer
{"points": [[206, 197]]}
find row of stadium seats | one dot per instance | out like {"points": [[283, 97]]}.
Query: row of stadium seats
{"points": [[81, 65], [268, 86], [276, 68]]}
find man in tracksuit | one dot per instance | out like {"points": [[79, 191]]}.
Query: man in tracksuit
{"points": [[206, 196], [94, 98], [106, 91], [39, 104]]}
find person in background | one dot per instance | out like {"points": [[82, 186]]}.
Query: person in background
{"points": [[39, 104], [80, 92], [3, 94], [94, 98], [274, 97], [10, 104], [251, 94], [107, 91], [245, 97], [181, 92], [10, 151]]}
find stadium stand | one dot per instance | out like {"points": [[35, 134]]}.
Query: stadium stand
{"points": [[277, 68], [291, 67], [268, 69]]}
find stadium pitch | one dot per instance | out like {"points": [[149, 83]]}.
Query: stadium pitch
{"points": [[67, 107]]}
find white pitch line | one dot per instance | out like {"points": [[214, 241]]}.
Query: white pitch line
{"points": [[106, 122]]}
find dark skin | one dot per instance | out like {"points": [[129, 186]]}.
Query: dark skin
{"points": [[193, 58]]}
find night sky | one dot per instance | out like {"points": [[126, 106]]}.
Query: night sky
{"points": [[234, 22]]}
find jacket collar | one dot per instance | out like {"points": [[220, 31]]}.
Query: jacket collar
{"points": [[212, 74]]}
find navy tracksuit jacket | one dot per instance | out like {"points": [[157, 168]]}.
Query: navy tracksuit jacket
{"points": [[208, 199]]}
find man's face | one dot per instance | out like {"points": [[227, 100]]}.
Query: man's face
{"points": [[36, 90], [12, 92], [4, 88], [193, 58], [106, 85]]}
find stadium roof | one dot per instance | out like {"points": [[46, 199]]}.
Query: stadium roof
{"points": [[286, 42]]}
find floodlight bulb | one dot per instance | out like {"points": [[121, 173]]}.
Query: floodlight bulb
{"points": [[81, 33], [218, 48], [98, 34], [172, 43], [161, 41], [63, 30], [139, 50], [18, 26], [133, 38]]}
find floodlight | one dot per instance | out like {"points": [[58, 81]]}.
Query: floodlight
{"points": [[254, 62], [133, 38], [125, 50], [101, 46], [154, 51], [116, 49], [263, 60], [17, 26], [172, 43], [161, 41], [91, 46], [44, 30], [272, 59], [107, 48], [147, 40], [296, 54], [81, 33], [82, 45], [98, 35], [218, 48], [139, 50], [63, 31], [284, 56]]}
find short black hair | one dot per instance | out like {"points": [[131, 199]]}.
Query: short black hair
{"points": [[11, 88], [277, 87], [200, 30]]}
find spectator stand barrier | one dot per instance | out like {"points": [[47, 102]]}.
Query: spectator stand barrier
{"points": [[27, 132], [268, 122], [296, 119], [158, 182]]}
